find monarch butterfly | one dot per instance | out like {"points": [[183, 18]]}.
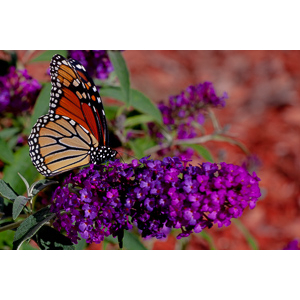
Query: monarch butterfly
{"points": [[74, 131]]}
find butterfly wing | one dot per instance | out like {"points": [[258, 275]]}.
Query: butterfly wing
{"points": [[75, 95], [74, 132], [58, 144]]}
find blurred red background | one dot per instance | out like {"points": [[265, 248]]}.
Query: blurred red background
{"points": [[263, 111]]}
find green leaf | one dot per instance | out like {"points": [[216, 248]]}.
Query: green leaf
{"points": [[8, 133], [132, 242], [47, 55], [248, 236], [18, 205], [27, 246], [41, 106], [6, 239], [40, 185], [122, 72], [48, 238], [6, 154], [110, 239], [31, 225], [202, 151], [22, 164], [209, 239], [26, 183], [136, 120], [144, 104], [7, 191], [111, 112], [138, 100], [81, 244], [140, 145], [12, 142]]}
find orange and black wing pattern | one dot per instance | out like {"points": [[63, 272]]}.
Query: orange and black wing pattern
{"points": [[75, 95], [74, 132]]}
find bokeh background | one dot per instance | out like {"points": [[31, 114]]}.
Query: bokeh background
{"points": [[263, 112]]}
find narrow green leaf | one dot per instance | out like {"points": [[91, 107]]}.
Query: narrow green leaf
{"points": [[6, 154], [138, 100], [144, 104], [40, 185], [140, 145], [7, 191], [122, 72], [12, 142], [209, 239], [47, 55], [31, 225], [8, 133], [41, 106], [248, 236], [132, 242], [26, 183], [48, 238], [111, 112], [22, 164], [202, 151], [18, 205], [136, 120]]}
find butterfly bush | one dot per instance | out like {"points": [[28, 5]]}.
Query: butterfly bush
{"points": [[96, 62], [186, 111], [155, 196], [18, 91]]}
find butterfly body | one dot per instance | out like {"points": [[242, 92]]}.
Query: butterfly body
{"points": [[74, 132]]}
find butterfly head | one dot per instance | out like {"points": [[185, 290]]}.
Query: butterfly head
{"points": [[102, 154]]}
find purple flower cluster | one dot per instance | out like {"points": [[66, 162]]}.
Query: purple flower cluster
{"points": [[154, 196], [18, 91], [96, 62], [184, 114], [188, 107]]}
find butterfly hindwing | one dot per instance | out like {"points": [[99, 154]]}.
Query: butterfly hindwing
{"points": [[58, 144]]}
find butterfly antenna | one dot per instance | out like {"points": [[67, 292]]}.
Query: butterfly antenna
{"points": [[126, 154], [121, 157]]}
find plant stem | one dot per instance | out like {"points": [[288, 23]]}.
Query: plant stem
{"points": [[11, 226], [199, 140], [248, 236], [214, 120]]}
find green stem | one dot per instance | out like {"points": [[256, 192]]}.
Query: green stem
{"points": [[199, 140], [250, 239], [209, 239], [214, 120], [11, 226]]}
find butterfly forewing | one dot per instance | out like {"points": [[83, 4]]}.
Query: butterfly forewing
{"points": [[74, 95]]}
